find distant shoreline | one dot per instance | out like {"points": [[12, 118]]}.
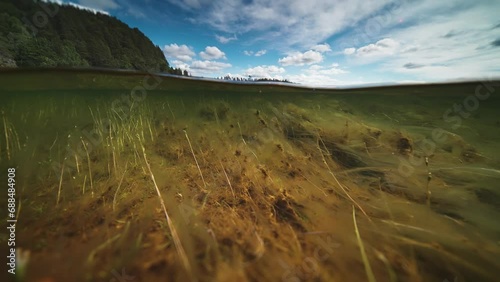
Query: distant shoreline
{"points": [[378, 86]]}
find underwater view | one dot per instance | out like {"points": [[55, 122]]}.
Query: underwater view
{"points": [[130, 176]]}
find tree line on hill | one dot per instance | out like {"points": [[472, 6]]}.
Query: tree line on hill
{"points": [[38, 34]]}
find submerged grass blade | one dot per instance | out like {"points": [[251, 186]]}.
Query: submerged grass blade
{"points": [[173, 231], [91, 256], [366, 262], [119, 185], [227, 178], [338, 182], [392, 274], [6, 136], [60, 183], [196, 161], [90, 170]]}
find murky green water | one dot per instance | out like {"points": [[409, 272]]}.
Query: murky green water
{"points": [[259, 181]]}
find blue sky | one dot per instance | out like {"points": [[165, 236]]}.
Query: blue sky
{"points": [[321, 42]]}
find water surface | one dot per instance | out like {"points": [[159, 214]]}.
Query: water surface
{"points": [[260, 182]]}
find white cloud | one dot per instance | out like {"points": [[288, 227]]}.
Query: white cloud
{"points": [[260, 53], [224, 40], [384, 47], [134, 10], [295, 22], [256, 54], [82, 7], [92, 8], [209, 66], [188, 4], [99, 4], [265, 71], [322, 48], [321, 80], [300, 59], [423, 40], [448, 47], [315, 67], [179, 52], [349, 51], [322, 75], [333, 69], [184, 58], [212, 53]]}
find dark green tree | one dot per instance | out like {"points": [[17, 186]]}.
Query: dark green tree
{"points": [[36, 52], [73, 38]]}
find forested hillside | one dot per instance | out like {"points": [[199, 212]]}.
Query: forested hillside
{"points": [[40, 34]]}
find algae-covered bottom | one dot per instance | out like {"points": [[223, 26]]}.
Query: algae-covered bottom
{"points": [[136, 177]]}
